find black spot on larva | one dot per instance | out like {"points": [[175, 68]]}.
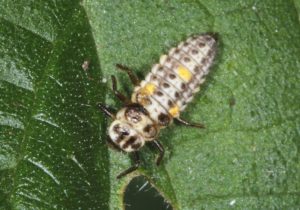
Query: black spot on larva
{"points": [[204, 61], [170, 103], [136, 146], [172, 76], [121, 133], [194, 52], [130, 141], [116, 128], [185, 44], [176, 51], [210, 53], [160, 68], [159, 93], [166, 85], [208, 38], [186, 59], [177, 95], [168, 59], [201, 44], [153, 77], [183, 86], [147, 128], [149, 131], [191, 82], [163, 119], [197, 69]]}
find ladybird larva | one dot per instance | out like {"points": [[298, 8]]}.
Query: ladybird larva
{"points": [[159, 99]]}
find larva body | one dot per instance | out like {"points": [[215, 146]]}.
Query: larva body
{"points": [[164, 93], [171, 84]]}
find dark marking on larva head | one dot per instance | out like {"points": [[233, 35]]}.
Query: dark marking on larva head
{"points": [[183, 86], [160, 68], [164, 119], [168, 59], [124, 134], [134, 112], [116, 128], [177, 94], [132, 115], [130, 141], [170, 103], [121, 132], [176, 51], [185, 44]]}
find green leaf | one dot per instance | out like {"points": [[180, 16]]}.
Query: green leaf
{"points": [[248, 155], [52, 138], [52, 150]]}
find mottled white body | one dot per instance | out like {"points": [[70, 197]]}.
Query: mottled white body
{"points": [[164, 93]]}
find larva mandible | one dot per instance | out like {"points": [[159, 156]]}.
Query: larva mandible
{"points": [[159, 99]]}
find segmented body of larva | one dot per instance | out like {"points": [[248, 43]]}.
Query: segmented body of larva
{"points": [[164, 93]]}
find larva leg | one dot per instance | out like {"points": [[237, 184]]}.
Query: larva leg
{"points": [[161, 149], [120, 96], [134, 79], [106, 110], [135, 166], [196, 125]]}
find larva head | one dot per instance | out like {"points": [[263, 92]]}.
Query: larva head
{"points": [[132, 128]]}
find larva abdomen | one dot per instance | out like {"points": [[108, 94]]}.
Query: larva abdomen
{"points": [[171, 84]]}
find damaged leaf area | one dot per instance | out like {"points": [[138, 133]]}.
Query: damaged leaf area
{"points": [[56, 59]]}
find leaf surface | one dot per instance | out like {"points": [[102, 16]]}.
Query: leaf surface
{"points": [[248, 156], [52, 150]]}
